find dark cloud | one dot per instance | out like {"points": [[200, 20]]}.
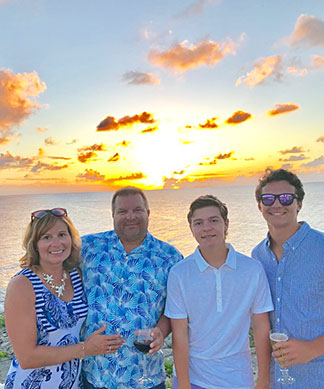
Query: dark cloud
{"points": [[218, 157], [295, 149], [95, 147], [8, 161], [110, 123], [86, 157], [293, 158], [210, 124], [138, 78], [90, 175], [150, 129], [283, 108], [45, 166], [114, 158], [317, 162], [124, 143], [238, 117]]}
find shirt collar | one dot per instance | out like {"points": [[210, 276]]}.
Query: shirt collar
{"points": [[203, 265], [295, 240], [144, 246]]}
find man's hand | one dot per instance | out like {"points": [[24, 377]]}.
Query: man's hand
{"points": [[292, 352], [158, 340]]}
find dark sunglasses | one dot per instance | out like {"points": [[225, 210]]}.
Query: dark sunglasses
{"points": [[284, 198], [42, 212]]}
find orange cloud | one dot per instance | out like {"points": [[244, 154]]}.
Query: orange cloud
{"points": [[210, 124], [95, 147], [295, 149], [320, 139], [179, 173], [86, 157], [283, 108], [63, 158], [297, 72], [181, 58], [16, 91], [110, 123], [130, 177], [150, 129], [219, 156], [308, 31], [238, 117], [114, 158], [264, 68], [4, 140], [317, 62], [124, 143], [41, 129], [138, 78]]}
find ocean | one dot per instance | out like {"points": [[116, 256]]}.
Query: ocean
{"points": [[91, 212]]}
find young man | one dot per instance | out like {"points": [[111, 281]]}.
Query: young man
{"points": [[212, 295], [293, 257], [125, 274]]}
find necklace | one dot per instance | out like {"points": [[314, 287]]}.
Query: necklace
{"points": [[59, 289]]}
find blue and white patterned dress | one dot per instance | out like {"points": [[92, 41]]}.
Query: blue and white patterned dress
{"points": [[58, 324]]}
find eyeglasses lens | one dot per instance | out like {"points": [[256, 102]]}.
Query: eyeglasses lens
{"points": [[284, 199], [55, 211]]}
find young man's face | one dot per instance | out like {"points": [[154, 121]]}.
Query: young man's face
{"points": [[208, 227], [278, 215], [130, 218]]}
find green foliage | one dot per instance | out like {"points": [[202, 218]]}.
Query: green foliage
{"points": [[168, 368], [3, 354], [2, 321], [168, 384], [251, 337]]}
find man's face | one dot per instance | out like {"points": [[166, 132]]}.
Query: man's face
{"points": [[130, 218], [277, 215], [208, 227]]}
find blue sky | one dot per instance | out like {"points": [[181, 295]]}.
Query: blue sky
{"points": [[67, 66]]}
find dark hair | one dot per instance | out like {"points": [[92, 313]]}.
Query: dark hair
{"points": [[280, 175], [207, 201], [36, 228], [128, 191]]}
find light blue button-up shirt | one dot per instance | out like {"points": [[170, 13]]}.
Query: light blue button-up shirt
{"points": [[297, 288], [127, 292]]}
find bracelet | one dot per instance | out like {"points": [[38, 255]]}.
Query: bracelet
{"points": [[83, 351]]}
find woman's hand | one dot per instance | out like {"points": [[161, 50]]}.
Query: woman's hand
{"points": [[98, 344]]}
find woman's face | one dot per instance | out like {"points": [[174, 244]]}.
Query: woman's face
{"points": [[54, 246]]}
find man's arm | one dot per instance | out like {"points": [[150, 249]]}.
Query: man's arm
{"points": [[296, 351], [159, 333], [180, 347], [261, 330]]}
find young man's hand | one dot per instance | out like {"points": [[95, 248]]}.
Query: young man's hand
{"points": [[293, 352]]}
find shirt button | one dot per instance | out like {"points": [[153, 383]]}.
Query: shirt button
{"points": [[119, 303], [117, 329], [122, 280], [278, 320], [279, 278], [278, 299]]}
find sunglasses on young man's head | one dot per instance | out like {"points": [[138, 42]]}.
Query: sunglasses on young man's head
{"points": [[284, 198], [42, 212]]}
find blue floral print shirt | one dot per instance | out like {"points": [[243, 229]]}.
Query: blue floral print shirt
{"points": [[127, 292]]}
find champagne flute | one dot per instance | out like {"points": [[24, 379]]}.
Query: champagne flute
{"points": [[142, 341], [277, 337]]}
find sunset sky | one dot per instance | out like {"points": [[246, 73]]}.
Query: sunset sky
{"points": [[96, 95]]}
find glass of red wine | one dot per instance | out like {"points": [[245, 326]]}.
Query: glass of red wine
{"points": [[142, 341]]}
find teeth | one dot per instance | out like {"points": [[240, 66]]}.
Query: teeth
{"points": [[57, 252]]}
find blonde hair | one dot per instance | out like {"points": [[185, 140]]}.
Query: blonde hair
{"points": [[38, 227]]}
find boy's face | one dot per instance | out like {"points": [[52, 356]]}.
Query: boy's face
{"points": [[208, 227], [278, 215]]}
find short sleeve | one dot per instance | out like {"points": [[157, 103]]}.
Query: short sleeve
{"points": [[175, 305]]}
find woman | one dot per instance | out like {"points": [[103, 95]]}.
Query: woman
{"points": [[45, 308]]}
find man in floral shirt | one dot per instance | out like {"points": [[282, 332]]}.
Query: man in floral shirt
{"points": [[125, 274]]}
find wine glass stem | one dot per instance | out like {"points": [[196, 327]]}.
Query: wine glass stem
{"points": [[145, 367]]}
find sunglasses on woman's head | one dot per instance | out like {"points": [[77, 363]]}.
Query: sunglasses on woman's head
{"points": [[284, 198], [42, 212]]}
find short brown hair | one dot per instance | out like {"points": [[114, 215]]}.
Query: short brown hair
{"points": [[36, 228], [128, 191], [207, 201], [280, 175]]}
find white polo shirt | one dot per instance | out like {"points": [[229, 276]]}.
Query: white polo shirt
{"points": [[218, 304]]}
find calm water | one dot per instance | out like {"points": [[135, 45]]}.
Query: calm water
{"points": [[91, 212]]}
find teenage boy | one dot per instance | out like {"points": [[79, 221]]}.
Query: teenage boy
{"points": [[212, 295], [293, 257]]}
